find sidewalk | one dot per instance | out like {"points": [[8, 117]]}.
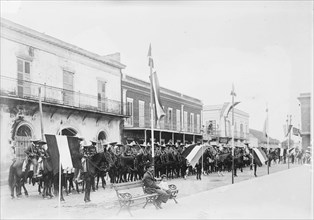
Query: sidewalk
{"points": [[283, 195]]}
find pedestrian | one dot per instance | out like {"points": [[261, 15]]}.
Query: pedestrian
{"points": [[198, 167], [150, 187]]}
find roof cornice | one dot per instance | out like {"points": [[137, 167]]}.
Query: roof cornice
{"points": [[56, 42]]}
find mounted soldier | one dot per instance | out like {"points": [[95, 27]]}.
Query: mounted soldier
{"points": [[36, 149]]}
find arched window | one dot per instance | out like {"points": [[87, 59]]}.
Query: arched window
{"points": [[22, 139], [102, 138]]}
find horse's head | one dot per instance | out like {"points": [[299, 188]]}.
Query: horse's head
{"points": [[33, 160]]}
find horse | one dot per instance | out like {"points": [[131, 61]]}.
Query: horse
{"points": [[101, 173], [17, 177], [273, 155], [221, 162], [158, 165], [171, 163], [238, 161], [47, 176], [125, 167]]}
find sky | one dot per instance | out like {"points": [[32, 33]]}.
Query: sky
{"points": [[200, 48]]}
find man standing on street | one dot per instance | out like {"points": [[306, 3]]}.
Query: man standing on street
{"points": [[151, 187]]}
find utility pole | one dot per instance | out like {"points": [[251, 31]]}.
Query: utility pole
{"points": [[289, 136]]}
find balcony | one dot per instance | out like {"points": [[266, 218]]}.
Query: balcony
{"points": [[173, 127], [28, 90], [221, 133]]}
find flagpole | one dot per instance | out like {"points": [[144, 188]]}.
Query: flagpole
{"points": [[268, 162], [288, 116], [41, 114], [59, 202], [232, 142], [202, 160], [152, 110], [59, 193]]}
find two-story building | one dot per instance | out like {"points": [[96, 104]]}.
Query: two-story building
{"points": [[80, 91], [182, 122], [305, 105], [217, 124]]}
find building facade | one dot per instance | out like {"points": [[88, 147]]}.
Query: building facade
{"points": [[182, 122], [217, 124], [305, 104], [80, 91]]}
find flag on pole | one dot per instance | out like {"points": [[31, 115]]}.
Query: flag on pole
{"points": [[150, 58], [296, 131], [65, 147], [232, 91], [289, 130], [291, 151], [188, 150], [230, 108], [259, 156], [227, 107], [195, 154], [265, 130], [159, 111]]}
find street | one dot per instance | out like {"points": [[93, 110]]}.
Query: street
{"points": [[285, 193]]}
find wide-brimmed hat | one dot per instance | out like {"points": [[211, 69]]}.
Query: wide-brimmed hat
{"points": [[93, 142], [112, 143], [105, 144], [86, 143], [150, 165], [38, 141], [143, 145], [133, 143], [79, 137]]}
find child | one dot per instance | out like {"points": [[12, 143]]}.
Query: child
{"points": [[164, 184]]}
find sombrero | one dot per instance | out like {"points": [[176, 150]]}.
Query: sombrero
{"points": [[39, 142]]}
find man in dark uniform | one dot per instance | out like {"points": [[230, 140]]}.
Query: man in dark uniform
{"points": [[34, 150], [151, 187]]}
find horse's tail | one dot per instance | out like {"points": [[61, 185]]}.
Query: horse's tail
{"points": [[11, 176]]}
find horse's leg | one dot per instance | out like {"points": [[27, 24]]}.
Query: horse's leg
{"points": [[103, 180], [12, 188], [50, 186], [66, 183], [93, 183], [97, 179], [25, 190], [88, 188]]}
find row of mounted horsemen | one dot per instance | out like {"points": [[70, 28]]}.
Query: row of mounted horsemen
{"points": [[121, 163]]}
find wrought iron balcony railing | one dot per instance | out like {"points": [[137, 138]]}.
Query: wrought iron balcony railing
{"points": [[29, 90], [222, 133]]}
